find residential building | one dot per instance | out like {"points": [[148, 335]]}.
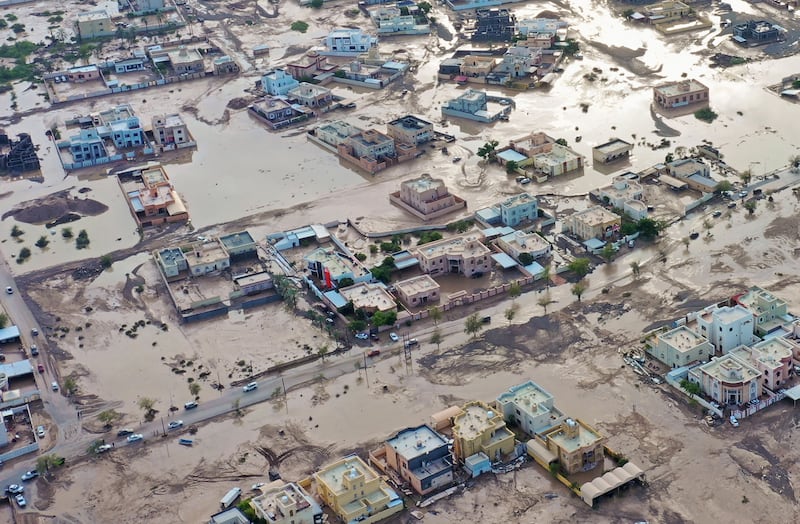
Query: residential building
{"points": [[239, 245], [426, 198], [461, 254], [185, 60], [518, 208], [409, 129], [17, 156], [87, 147], [519, 243], [473, 105], [146, 6], [624, 193], [172, 261], [95, 24], [475, 66], [171, 131], [774, 359], [130, 65], [558, 161], [311, 65], [391, 21], [417, 291], [355, 492], [311, 95], [770, 312], [494, 25], [253, 283], [756, 32], [451, 66], [679, 94], [680, 347], [278, 82], [207, 257], [152, 199], [372, 143], [578, 446], [594, 222], [369, 297], [667, 11], [539, 25], [480, 429], [420, 456], [282, 503], [694, 172], [539, 40], [529, 407], [330, 267], [531, 145], [231, 515], [613, 150], [278, 113], [728, 380], [348, 42], [121, 125], [727, 327], [81, 74], [335, 133], [517, 62], [225, 65]]}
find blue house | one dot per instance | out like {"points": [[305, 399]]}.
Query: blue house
{"points": [[517, 208], [88, 145], [278, 82], [421, 456]]}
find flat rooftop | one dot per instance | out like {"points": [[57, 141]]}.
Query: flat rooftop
{"points": [[476, 417], [518, 200], [425, 183], [173, 120], [729, 315], [413, 442], [171, 256], [682, 339], [410, 122], [774, 348], [682, 87], [211, 251], [613, 146], [234, 240], [333, 474], [585, 436], [729, 368], [556, 156], [522, 241], [418, 284], [364, 295], [467, 246], [154, 177], [526, 394], [595, 216]]}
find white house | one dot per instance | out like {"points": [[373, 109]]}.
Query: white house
{"points": [[348, 42]]}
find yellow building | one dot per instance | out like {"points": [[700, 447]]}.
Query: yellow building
{"points": [[94, 24], [594, 222], [354, 491], [578, 446], [479, 428]]}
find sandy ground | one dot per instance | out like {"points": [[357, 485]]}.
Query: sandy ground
{"points": [[280, 181]]}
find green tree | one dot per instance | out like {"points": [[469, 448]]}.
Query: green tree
{"points": [[194, 388], [70, 385], [649, 228], [473, 325], [287, 290], [562, 142], [750, 206], [16, 231], [578, 289], [46, 463], [511, 312], [106, 261], [794, 160], [346, 282], [146, 404], [746, 176], [425, 7], [108, 416], [636, 268], [3, 320], [82, 241], [488, 151], [545, 301], [511, 167], [525, 259], [579, 266], [692, 388], [514, 290], [608, 252], [546, 276], [384, 318], [66, 232], [436, 338], [322, 351], [42, 242], [435, 314], [357, 325], [723, 185]]}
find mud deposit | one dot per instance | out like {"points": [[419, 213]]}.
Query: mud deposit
{"points": [[57, 208]]}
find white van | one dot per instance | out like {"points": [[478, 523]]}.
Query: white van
{"points": [[230, 497]]}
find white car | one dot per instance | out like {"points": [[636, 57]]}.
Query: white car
{"points": [[394, 337], [362, 336], [175, 424], [734, 422], [136, 437], [40, 431], [21, 502], [103, 448], [250, 387]]}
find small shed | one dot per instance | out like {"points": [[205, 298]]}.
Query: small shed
{"points": [[478, 464], [443, 419]]}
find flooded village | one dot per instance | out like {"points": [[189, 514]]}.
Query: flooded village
{"points": [[470, 260]]}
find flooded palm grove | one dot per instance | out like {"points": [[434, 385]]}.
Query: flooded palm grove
{"points": [[115, 357]]}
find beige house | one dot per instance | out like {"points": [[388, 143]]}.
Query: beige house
{"points": [[532, 145], [207, 258], [578, 446], [94, 24], [594, 222], [426, 198], [410, 130], [186, 60], [369, 297], [519, 242], [613, 150], [282, 503], [678, 94], [728, 380], [558, 161], [769, 311], [680, 346], [170, 131], [417, 291], [354, 491], [463, 254], [476, 66], [311, 95], [480, 429]]}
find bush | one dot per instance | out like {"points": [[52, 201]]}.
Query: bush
{"points": [[16, 232], [42, 242], [106, 261], [706, 115], [82, 241], [24, 254], [66, 232], [300, 27], [429, 236], [361, 257]]}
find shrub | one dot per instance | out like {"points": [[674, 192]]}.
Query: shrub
{"points": [[42, 242], [66, 232], [299, 26], [106, 261], [82, 241], [706, 115]]}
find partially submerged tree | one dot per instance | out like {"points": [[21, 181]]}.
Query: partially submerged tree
{"points": [[473, 325]]}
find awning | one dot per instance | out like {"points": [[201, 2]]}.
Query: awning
{"points": [[504, 260]]}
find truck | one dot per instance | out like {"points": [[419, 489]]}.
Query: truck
{"points": [[230, 497]]}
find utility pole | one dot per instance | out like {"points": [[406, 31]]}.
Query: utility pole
{"points": [[365, 369], [163, 428], [285, 398]]}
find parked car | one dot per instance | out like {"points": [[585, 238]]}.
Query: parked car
{"points": [[734, 422], [35, 332], [175, 424], [136, 437], [411, 342], [21, 502], [34, 350], [250, 387], [40, 367], [124, 432], [743, 194], [631, 244], [486, 320], [30, 475], [374, 353], [717, 214], [731, 205], [103, 448], [40, 431], [362, 336], [190, 405], [15, 489], [394, 337], [374, 336]]}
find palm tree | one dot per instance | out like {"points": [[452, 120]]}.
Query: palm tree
{"points": [[546, 276]]}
